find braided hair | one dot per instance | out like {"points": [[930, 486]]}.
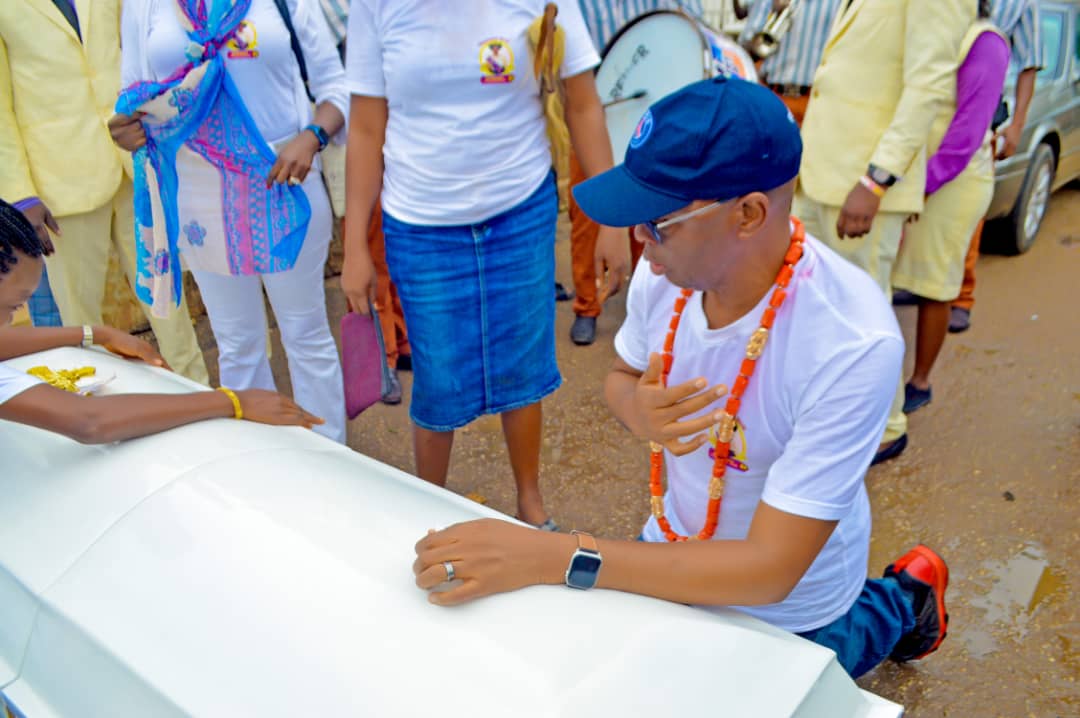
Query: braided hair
{"points": [[16, 233]]}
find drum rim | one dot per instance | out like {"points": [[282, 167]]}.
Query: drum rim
{"points": [[696, 23]]}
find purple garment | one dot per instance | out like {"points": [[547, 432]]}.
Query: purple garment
{"points": [[978, 92], [24, 204]]}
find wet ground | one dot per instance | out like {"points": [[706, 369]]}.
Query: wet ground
{"points": [[991, 478]]}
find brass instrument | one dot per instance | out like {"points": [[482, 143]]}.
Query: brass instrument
{"points": [[764, 44]]}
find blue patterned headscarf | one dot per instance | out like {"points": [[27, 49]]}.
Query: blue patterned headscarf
{"points": [[203, 147]]}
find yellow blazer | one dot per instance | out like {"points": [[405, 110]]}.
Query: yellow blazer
{"points": [[56, 95], [888, 68]]}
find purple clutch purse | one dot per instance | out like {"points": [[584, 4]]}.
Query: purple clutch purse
{"points": [[363, 361]]}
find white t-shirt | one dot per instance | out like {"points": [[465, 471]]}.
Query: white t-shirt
{"points": [[465, 137], [259, 59], [14, 382], [809, 424]]}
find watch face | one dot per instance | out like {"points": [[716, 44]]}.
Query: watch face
{"points": [[583, 570], [882, 177]]}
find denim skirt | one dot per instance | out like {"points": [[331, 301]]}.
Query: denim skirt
{"points": [[479, 304]]}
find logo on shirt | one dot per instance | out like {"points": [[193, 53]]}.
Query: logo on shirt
{"points": [[244, 44], [737, 456], [496, 62], [642, 131]]}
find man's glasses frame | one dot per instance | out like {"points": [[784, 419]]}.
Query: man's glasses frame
{"points": [[655, 228]]}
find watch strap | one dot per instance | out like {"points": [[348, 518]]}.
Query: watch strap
{"points": [[586, 542], [320, 135]]}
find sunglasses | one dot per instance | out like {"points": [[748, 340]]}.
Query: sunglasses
{"points": [[656, 228]]}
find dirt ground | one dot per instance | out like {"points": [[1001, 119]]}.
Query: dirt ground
{"points": [[991, 477]]}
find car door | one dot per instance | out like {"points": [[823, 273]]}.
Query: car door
{"points": [[1069, 165]]}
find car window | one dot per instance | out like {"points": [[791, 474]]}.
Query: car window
{"points": [[1052, 31]]}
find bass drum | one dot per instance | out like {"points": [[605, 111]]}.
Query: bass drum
{"points": [[654, 55]]}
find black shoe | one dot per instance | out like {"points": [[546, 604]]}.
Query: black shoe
{"points": [[392, 395], [923, 575], [561, 295], [915, 399], [584, 331], [959, 320], [404, 362], [904, 298], [891, 451]]}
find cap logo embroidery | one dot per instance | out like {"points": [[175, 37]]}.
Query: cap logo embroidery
{"points": [[642, 131]]}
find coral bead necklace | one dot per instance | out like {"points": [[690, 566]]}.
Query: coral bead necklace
{"points": [[726, 425]]}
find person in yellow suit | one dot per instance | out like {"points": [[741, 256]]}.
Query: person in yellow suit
{"points": [[59, 78], [888, 69]]}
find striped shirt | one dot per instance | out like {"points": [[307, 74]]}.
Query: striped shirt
{"points": [[605, 18], [1018, 20], [337, 17], [801, 48]]}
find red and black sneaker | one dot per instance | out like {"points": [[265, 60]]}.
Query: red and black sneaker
{"points": [[925, 576]]}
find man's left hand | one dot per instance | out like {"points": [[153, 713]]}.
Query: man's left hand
{"points": [[857, 214], [294, 161], [613, 254], [489, 556], [129, 347]]}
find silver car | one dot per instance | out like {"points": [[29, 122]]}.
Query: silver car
{"points": [[1049, 154]]}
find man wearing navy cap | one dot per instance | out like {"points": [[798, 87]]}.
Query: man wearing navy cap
{"points": [[760, 366]]}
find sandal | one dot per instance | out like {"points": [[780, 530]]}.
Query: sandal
{"points": [[548, 525]]}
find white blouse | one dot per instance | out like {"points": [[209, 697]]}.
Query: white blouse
{"points": [[465, 135], [259, 59]]}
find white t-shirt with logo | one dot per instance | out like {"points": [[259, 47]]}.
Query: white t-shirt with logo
{"points": [[14, 382], [809, 423], [466, 136]]}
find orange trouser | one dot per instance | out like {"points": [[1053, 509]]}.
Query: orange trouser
{"points": [[583, 232], [797, 106], [387, 304], [966, 300]]}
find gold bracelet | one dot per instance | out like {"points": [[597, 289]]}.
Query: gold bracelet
{"points": [[238, 411], [87, 336]]}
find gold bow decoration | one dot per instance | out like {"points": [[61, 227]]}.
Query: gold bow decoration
{"points": [[66, 379]]}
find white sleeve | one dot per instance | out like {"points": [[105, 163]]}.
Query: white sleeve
{"points": [[134, 65], [326, 76], [632, 339], [580, 54], [14, 382], [363, 56], [839, 421]]}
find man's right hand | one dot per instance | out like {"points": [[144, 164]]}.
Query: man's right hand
{"points": [[269, 407], [661, 408], [42, 220], [127, 131], [358, 281]]}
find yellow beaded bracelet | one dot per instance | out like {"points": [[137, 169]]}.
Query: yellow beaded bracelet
{"points": [[238, 411]]}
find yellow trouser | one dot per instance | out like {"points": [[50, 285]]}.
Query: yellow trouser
{"points": [[875, 253], [77, 276]]}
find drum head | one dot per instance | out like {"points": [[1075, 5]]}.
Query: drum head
{"points": [[651, 57]]}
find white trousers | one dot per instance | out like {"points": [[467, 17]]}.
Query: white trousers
{"points": [[298, 298]]}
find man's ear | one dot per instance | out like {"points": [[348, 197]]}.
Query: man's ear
{"points": [[752, 212]]}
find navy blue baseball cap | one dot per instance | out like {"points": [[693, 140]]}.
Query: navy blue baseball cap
{"points": [[713, 140]]}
